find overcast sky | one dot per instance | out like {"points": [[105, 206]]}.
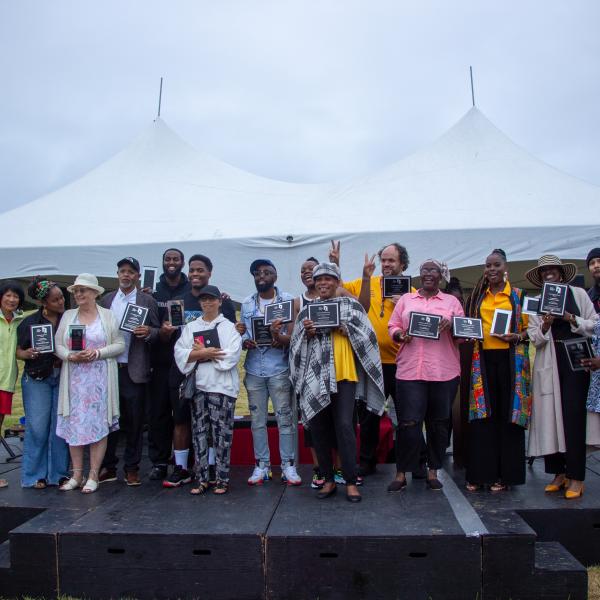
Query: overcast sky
{"points": [[300, 91]]}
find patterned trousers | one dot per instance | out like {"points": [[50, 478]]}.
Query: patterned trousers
{"points": [[215, 413]]}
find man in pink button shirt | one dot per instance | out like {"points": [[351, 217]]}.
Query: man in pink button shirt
{"points": [[427, 375]]}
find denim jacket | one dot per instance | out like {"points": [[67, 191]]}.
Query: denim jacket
{"points": [[264, 361]]}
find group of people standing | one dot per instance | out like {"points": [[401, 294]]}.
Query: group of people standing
{"points": [[335, 377]]}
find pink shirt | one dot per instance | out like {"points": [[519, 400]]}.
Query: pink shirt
{"points": [[423, 359]]}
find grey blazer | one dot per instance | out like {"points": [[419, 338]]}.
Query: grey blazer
{"points": [[138, 362]]}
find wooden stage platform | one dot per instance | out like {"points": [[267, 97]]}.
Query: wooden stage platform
{"points": [[278, 542]]}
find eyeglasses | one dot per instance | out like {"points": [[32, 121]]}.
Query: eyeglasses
{"points": [[263, 273], [431, 270]]}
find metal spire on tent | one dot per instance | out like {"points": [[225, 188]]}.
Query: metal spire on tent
{"points": [[472, 86], [159, 98]]}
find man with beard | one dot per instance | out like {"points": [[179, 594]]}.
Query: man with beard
{"points": [[593, 264], [133, 372], [199, 271], [172, 285], [369, 291], [267, 376]]}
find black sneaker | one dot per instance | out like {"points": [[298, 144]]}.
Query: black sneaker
{"points": [[178, 477], [158, 473]]}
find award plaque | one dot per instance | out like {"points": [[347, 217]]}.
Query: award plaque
{"points": [[396, 286], [577, 349], [324, 314], [501, 322], [76, 338], [209, 338], [176, 313], [149, 277], [466, 327], [531, 305], [261, 333], [424, 325], [553, 299], [134, 316], [279, 310], [42, 338]]}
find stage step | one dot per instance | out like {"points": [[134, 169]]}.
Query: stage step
{"points": [[4, 556]]}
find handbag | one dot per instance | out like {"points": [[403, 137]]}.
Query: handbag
{"points": [[187, 388]]}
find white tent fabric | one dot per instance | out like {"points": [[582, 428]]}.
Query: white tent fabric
{"points": [[468, 192]]}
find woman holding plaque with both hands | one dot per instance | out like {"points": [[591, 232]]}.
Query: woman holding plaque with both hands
{"points": [[88, 400], [499, 395], [559, 418], [330, 369], [45, 454], [427, 375]]}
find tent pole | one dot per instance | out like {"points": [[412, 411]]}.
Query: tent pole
{"points": [[159, 97], [472, 87]]}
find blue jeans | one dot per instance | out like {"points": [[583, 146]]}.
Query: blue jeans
{"points": [[45, 455], [279, 389]]}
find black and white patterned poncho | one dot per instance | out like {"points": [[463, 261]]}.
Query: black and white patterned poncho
{"points": [[312, 370]]}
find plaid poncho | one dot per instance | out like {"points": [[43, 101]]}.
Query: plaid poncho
{"points": [[311, 362]]}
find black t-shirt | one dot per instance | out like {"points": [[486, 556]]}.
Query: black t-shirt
{"points": [[41, 367], [594, 294]]}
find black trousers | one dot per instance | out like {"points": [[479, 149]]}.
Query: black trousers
{"points": [[369, 422], [573, 394], [160, 420], [340, 411], [423, 401], [496, 449], [131, 423]]}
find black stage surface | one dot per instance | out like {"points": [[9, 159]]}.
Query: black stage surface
{"points": [[277, 542]]}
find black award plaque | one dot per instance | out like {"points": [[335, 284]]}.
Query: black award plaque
{"points": [[396, 286], [466, 327], [279, 310], [134, 316], [578, 349], [501, 322], [76, 338], [324, 314], [261, 333], [176, 313], [531, 305], [209, 338], [149, 278], [553, 299], [42, 338], [424, 325]]}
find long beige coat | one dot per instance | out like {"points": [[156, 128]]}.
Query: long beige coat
{"points": [[115, 345], [546, 432]]}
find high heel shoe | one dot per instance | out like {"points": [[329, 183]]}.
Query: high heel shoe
{"points": [[556, 487], [571, 495]]}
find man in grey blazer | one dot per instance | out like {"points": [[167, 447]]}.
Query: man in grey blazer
{"points": [[134, 371]]}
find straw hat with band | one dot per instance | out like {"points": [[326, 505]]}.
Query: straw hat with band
{"points": [[534, 275], [86, 280]]}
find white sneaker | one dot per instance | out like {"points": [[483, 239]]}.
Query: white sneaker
{"points": [[259, 475], [290, 476]]}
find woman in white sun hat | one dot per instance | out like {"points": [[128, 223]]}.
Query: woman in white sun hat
{"points": [[88, 400], [559, 415]]}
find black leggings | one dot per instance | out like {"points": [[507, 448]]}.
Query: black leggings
{"points": [[340, 411]]}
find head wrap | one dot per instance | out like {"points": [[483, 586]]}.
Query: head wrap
{"points": [[40, 288], [441, 265]]}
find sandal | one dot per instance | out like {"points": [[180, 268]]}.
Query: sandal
{"points": [[199, 489], [71, 484], [472, 487], [498, 487], [221, 488], [3, 483], [91, 485], [40, 484]]}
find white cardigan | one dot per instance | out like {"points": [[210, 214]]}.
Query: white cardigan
{"points": [[115, 345], [546, 432]]}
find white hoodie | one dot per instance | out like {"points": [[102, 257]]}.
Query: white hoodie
{"points": [[217, 376]]}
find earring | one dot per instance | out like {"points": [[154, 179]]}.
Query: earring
{"points": [[505, 277]]}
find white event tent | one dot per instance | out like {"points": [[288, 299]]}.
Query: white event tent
{"points": [[470, 191]]}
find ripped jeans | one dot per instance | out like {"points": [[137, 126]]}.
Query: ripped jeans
{"points": [[279, 389], [420, 401]]}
